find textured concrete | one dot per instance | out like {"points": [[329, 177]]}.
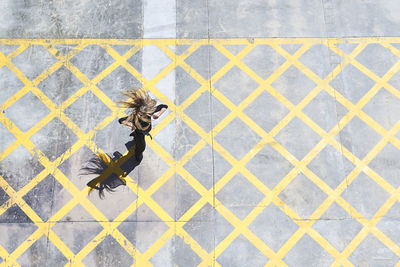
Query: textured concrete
{"points": [[257, 162]]}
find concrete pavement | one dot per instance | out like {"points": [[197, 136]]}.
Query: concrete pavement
{"points": [[280, 146]]}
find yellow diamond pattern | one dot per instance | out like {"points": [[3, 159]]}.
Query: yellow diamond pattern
{"points": [[241, 227]]}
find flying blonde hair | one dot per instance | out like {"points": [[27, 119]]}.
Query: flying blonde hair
{"points": [[142, 107]]}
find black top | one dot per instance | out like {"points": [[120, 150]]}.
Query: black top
{"points": [[145, 124]]}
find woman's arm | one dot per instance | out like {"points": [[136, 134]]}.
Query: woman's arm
{"points": [[157, 115], [124, 121], [159, 111]]}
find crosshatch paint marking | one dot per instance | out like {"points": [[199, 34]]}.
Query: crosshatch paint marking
{"points": [[176, 166]]}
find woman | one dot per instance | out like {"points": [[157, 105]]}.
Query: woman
{"points": [[143, 108]]}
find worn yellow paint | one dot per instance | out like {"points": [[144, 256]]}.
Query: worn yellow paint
{"points": [[239, 166]]}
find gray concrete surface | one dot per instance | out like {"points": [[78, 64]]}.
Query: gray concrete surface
{"points": [[172, 226]]}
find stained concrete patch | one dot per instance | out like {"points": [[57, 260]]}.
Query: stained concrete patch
{"points": [[86, 19], [7, 49], [116, 82], [318, 59], [42, 253], [54, 139], [381, 255], [154, 63], [152, 168], [28, 104], [383, 108], [71, 167], [303, 196], [147, 233], [192, 19], [47, 197], [293, 84], [201, 167], [358, 137], [325, 111], [279, 229], [60, 85], [201, 227], [186, 85], [206, 61], [207, 166], [331, 166], [113, 138], [16, 226], [3, 196], [387, 165], [202, 232], [186, 197], [76, 229], [92, 60], [240, 253], [164, 256], [186, 138], [183, 254], [291, 135], [389, 224], [240, 196], [14, 234], [307, 252], [264, 18], [263, 60], [6, 138], [337, 226], [198, 111], [124, 195], [9, 84], [237, 138], [365, 195], [359, 18], [235, 49], [19, 168], [291, 48], [377, 58], [108, 253], [352, 83], [266, 111], [87, 112], [166, 196], [236, 85], [269, 166], [33, 61]]}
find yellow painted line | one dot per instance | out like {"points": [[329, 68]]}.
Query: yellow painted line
{"points": [[176, 166]]}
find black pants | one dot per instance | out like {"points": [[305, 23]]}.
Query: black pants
{"points": [[140, 144]]}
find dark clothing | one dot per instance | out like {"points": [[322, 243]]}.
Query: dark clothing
{"points": [[145, 124], [160, 107], [139, 135]]}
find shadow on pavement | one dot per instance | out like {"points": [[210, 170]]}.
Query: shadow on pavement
{"points": [[110, 170]]}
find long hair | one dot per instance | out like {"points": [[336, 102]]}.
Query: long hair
{"points": [[103, 181], [142, 107]]}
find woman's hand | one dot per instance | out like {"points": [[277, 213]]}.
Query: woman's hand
{"points": [[157, 115], [129, 124]]}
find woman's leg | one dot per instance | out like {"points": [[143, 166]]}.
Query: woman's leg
{"points": [[140, 145]]}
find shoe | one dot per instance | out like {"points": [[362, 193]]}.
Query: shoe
{"points": [[117, 155]]}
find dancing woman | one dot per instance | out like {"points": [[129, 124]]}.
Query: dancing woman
{"points": [[143, 109]]}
